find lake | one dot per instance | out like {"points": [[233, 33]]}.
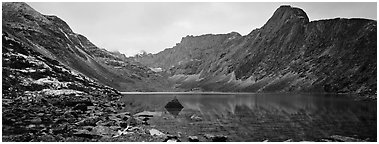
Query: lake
{"points": [[259, 117]]}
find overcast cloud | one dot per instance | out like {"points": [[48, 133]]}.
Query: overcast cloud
{"points": [[132, 27]]}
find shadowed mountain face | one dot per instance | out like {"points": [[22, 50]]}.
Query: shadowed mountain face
{"points": [[53, 80], [53, 38], [288, 53]]}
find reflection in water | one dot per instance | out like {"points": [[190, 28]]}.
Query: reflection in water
{"points": [[174, 107], [275, 116]]}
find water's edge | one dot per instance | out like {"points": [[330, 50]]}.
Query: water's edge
{"points": [[184, 93]]}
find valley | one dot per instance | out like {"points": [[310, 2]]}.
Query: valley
{"points": [[58, 86]]}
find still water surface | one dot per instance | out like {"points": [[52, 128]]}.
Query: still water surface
{"points": [[257, 117]]}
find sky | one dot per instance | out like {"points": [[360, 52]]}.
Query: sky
{"points": [[152, 27]]}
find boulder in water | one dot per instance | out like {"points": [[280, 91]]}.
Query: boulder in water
{"points": [[174, 107]]}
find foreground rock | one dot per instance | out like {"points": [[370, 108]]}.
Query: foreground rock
{"points": [[193, 139], [196, 118], [171, 138], [44, 100], [216, 138], [155, 132], [345, 139]]}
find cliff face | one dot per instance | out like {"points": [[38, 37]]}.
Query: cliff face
{"points": [[288, 53], [53, 38]]}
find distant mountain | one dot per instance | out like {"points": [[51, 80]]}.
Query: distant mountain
{"points": [[52, 37], [288, 53]]}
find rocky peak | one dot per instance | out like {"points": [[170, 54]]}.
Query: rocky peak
{"points": [[288, 53], [19, 14], [207, 40], [286, 12], [286, 16], [59, 22], [236, 34], [20, 10]]}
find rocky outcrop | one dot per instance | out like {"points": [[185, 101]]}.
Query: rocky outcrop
{"points": [[288, 53], [42, 99]]}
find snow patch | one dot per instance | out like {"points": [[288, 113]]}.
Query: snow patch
{"points": [[61, 92], [233, 37], [65, 35], [157, 69], [177, 77], [186, 78], [52, 82], [83, 52], [244, 83], [192, 77], [33, 60], [28, 70], [12, 39]]}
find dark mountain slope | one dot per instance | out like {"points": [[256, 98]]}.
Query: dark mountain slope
{"points": [[53, 38], [50, 82], [43, 99], [288, 53]]}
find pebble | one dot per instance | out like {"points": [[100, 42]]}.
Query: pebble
{"points": [[289, 140], [219, 138], [196, 118], [36, 120], [173, 140], [31, 126], [155, 132], [193, 139]]}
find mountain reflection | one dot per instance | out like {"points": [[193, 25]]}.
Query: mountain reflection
{"points": [[225, 105], [301, 116], [285, 104]]}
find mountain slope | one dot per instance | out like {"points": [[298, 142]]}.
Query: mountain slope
{"points": [[52, 37], [288, 53], [53, 83], [40, 95]]}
